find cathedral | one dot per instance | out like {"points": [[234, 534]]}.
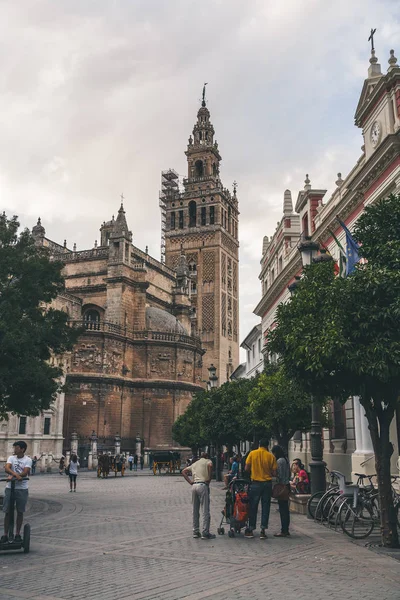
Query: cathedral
{"points": [[151, 329]]}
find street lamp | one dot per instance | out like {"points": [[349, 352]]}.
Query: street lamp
{"points": [[212, 376], [308, 250], [309, 255], [212, 383]]}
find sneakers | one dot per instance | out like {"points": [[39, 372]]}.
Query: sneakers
{"points": [[196, 534], [282, 534], [263, 535], [248, 533], [4, 539], [207, 536], [17, 538]]}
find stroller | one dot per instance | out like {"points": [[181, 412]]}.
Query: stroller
{"points": [[236, 511]]}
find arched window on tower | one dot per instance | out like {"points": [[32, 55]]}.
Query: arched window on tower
{"points": [[199, 167], [192, 213], [212, 215], [180, 215], [215, 169], [229, 220], [92, 319], [173, 220], [203, 215]]}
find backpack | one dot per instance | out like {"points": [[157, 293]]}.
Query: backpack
{"points": [[241, 507]]}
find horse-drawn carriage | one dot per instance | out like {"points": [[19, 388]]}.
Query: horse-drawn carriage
{"points": [[166, 461]]}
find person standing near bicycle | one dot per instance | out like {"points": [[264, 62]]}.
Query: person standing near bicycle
{"points": [[18, 466]]}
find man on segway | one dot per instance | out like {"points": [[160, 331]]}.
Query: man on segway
{"points": [[18, 465]]}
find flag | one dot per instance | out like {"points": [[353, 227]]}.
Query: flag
{"points": [[352, 248], [335, 266], [342, 256]]}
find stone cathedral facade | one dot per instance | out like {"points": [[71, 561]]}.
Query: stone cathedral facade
{"points": [[202, 221]]}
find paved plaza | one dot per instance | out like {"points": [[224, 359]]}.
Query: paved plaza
{"points": [[130, 538]]}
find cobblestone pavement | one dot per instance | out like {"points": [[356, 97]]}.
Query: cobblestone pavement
{"points": [[130, 539]]}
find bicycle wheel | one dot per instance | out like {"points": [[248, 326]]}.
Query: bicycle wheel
{"points": [[358, 522], [313, 503], [325, 504]]}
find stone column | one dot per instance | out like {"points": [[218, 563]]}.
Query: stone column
{"points": [[117, 444], [74, 443], [93, 450], [138, 445], [43, 463], [362, 460]]}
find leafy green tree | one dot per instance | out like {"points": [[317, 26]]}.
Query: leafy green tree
{"points": [[30, 331], [279, 406], [225, 418], [187, 428], [342, 336]]}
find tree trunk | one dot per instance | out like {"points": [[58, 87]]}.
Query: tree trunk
{"points": [[383, 451], [283, 441]]}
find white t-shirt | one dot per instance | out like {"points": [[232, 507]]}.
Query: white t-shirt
{"points": [[18, 465], [200, 470]]}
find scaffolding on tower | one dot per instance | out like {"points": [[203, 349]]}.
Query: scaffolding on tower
{"points": [[169, 190]]}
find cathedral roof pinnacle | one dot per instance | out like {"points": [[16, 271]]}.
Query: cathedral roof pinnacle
{"points": [[392, 61], [38, 230], [307, 183], [339, 181], [374, 69], [287, 202]]}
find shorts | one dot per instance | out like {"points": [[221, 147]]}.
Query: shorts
{"points": [[72, 477], [21, 498]]}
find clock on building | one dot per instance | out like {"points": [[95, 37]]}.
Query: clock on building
{"points": [[375, 134]]}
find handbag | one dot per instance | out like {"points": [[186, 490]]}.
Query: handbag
{"points": [[280, 491]]}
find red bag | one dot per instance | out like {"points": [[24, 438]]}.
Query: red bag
{"points": [[241, 507]]}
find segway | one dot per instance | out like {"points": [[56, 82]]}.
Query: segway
{"points": [[11, 544]]}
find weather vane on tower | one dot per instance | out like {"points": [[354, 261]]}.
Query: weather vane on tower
{"points": [[204, 95]]}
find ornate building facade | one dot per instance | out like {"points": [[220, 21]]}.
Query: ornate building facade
{"points": [[347, 446], [202, 220], [136, 365]]}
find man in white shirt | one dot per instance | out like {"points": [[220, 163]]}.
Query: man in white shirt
{"points": [[18, 466], [201, 472]]}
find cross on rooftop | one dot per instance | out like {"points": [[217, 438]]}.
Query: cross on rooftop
{"points": [[371, 39]]}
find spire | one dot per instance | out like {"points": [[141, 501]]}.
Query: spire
{"points": [[121, 226], [203, 131], [374, 69], [38, 231], [203, 103], [307, 183], [392, 61], [287, 202]]}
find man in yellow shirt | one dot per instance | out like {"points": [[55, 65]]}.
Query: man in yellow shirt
{"points": [[262, 467]]}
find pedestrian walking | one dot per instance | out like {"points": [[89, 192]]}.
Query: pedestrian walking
{"points": [[18, 466], [61, 465], [73, 471], [130, 461], [34, 462], [283, 478], [141, 462], [135, 462], [262, 466], [200, 473]]}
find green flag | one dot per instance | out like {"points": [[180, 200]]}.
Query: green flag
{"points": [[342, 256]]}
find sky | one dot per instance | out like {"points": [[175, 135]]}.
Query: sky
{"points": [[97, 97]]}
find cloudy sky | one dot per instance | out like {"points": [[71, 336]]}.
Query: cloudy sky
{"points": [[98, 96]]}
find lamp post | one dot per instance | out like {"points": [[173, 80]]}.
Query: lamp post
{"points": [[212, 384], [309, 255]]}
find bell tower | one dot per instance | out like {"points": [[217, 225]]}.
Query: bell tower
{"points": [[202, 221]]}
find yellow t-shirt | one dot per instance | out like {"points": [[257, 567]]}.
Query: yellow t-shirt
{"points": [[262, 464]]}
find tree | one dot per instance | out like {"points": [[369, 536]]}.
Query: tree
{"points": [[279, 406], [187, 428], [30, 331], [225, 418], [342, 337]]}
